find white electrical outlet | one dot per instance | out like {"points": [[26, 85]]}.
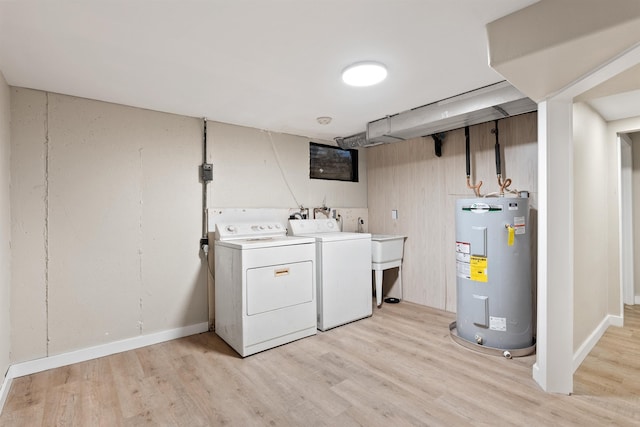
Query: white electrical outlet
{"points": [[394, 214]]}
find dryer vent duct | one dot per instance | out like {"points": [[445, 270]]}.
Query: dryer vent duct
{"points": [[482, 105], [353, 141]]}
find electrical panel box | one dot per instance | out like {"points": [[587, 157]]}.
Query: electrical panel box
{"points": [[206, 172]]}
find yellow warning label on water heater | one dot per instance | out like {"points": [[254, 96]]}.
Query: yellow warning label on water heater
{"points": [[479, 269]]}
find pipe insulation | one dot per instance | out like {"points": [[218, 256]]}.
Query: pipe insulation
{"points": [[467, 151], [474, 187], [497, 148]]}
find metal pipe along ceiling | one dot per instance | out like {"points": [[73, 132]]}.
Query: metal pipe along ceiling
{"points": [[482, 105]]}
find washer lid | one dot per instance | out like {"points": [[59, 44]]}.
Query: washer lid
{"points": [[338, 236], [264, 242]]}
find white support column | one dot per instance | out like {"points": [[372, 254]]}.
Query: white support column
{"points": [[553, 369]]}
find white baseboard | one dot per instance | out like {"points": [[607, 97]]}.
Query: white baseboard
{"points": [[59, 360], [537, 376], [592, 340], [4, 390], [637, 299], [616, 321]]}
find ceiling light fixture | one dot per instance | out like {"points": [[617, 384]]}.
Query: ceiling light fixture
{"points": [[364, 74]]}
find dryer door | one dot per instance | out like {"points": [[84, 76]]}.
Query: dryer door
{"points": [[279, 286]]}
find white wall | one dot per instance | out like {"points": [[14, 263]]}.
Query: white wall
{"points": [[591, 218], [247, 175], [5, 228], [630, 125], [107, 220], [635, 148]]}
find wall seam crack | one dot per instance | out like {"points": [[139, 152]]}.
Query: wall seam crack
{"points": [[46, 217], [140, 253]]}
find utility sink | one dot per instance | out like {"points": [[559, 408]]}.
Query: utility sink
{"points": [[386, 248], [386, 252]]}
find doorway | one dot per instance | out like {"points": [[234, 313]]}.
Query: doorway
{"points": [[627, 235]]}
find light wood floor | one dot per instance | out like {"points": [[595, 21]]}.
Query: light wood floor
{"points": [[397, 368]]}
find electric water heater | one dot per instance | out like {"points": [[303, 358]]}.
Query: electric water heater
{"points": [[493, 268]]}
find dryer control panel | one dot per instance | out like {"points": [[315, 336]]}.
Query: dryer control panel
{"points": [[228, 231]]}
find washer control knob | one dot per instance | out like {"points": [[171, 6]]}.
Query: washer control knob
{"points": [[277, 226], [270, 227], [262, 227], [231, 228]]}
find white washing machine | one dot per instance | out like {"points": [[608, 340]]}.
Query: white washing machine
{"points": [[265, 292], [343, 271]]}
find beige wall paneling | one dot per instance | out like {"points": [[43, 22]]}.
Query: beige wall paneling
{"points": [[5, 228], [123, 220], [28, 224], [590, 221], [407, 176], [350, 218], [246, 172], [123, 224], [95, 230], [174, 276]]}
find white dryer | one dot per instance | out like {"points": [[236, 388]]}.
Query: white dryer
{"points": [[265, 292], [343, 271]]}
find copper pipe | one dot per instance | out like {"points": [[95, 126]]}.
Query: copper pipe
{"points": [[504, 185], [475, 188]]}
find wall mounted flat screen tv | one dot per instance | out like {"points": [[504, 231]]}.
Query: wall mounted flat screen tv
{"points": [[334, 163]]}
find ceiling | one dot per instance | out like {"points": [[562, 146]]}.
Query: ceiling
{"points": [[617, 98], [266, 64]]}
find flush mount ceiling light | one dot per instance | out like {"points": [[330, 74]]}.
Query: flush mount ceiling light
{"points": [[364, 74]]}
